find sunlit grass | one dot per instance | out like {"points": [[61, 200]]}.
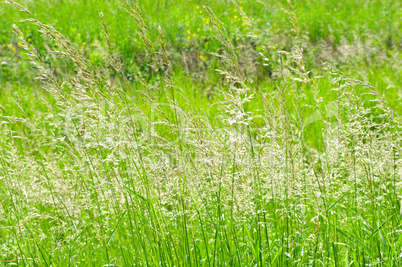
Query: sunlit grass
{"points": [[135, 146]]}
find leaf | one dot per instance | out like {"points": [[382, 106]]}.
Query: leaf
{"points": [[336, 202], [135, 193], [110, 238]]}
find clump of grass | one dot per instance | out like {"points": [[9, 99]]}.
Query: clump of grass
{"points": [[96, 177]]}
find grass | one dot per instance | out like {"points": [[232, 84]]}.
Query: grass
{"points": [[214, 140]]}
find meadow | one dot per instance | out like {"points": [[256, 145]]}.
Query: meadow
{"points": [[200, 133]]}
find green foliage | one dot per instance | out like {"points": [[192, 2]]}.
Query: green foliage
{"points": [[205, 133]]}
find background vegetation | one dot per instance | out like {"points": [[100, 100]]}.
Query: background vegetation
{"points": [[205, 133]]}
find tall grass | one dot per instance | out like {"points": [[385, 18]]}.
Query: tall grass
{"points": [[101, 172]]}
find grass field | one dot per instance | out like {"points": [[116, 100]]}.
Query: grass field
{"points": [[200, 133]]}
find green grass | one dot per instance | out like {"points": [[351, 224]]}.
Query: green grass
{"points": [[187, 31], [281, 149]]}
